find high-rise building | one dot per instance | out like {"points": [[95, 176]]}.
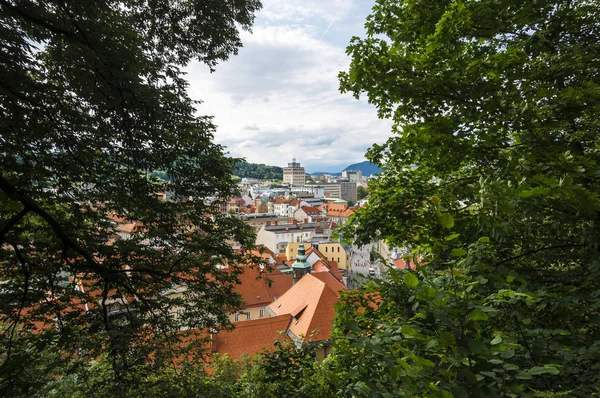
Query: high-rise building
{"points": [[294, 174]]}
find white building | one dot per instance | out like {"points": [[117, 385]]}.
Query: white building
{"points": [[276, 237]]}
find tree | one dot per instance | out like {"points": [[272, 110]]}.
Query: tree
{"points": [[490, 176], [361, 192], [259, 171], [92, 102]]}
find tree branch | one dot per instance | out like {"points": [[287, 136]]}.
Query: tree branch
{"points": [[11, 223], [536, 251], [30, 205]]}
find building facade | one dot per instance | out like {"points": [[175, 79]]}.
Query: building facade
{"points": [[294, 174]]}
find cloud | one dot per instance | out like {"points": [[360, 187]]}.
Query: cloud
{"points": [[252, 127], [285, 81]]}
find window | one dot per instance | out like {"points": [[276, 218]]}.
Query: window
{"points": [[325, 249], [247, 315], [236, 317], [338, 249], [261, 313]]}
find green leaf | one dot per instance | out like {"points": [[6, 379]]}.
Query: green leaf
{"points": [[456, 252], [446, 220], [408, 331], [452, 236], [476, 346], [478, 315], [539, 370], [410, 280], [496, 340]]}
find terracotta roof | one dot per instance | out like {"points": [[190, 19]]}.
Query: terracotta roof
{"points": [[280, 258], [335, 270], [316, 294], [129, 227], [280, 201], [265, 249], [310, 210], [401, 263], [252, 287], [347, 213], [280, 283], [251, 337], [337, 206], [320, 266]]}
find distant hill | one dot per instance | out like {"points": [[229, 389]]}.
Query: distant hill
{"points": [[366, 167], [260, 171]]}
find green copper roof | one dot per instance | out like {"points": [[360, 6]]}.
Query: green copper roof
{"points": [[301, 262]]}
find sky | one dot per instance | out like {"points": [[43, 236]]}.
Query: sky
{"points": [[279, 98]]}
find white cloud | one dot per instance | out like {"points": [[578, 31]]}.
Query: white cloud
{"points": [[279, 98]]}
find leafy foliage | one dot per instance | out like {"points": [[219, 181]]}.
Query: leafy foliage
{"points": [[260, 171], [92, 100], [491, 176], [361, 192]]}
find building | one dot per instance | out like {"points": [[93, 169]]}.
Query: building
{"points": [[259, 289], [345, 190], [348, 190], [317, 190], [277, 237], [309, 305], [335, 251], [258, 220], [301, 267], [291, 251], [353, 175], [294, 174]]}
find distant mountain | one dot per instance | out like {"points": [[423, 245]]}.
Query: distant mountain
{"points": [[366, 167], [331, 173]]}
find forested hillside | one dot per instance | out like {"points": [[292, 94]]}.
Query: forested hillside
{"points": [[260, 171]]}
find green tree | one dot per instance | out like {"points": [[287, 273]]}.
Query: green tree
{"points": [[259, 171], [92, 101], [361, 192], [491, 177]]}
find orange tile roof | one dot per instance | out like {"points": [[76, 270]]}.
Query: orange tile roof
{"points": [[280, 200], [252, 287], [337, 206], [280, 258], [251, 337], [347, 213], [401, 263], [314, 296], [280, 283], [310, 210]]}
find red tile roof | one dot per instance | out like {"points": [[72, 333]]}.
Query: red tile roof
{"points": [[310, 210], [251, 337], [314, 296]]}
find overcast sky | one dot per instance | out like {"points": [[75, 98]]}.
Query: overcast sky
{"points": [[279, 98]]}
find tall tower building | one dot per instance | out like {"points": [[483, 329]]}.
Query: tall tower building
{"points": [[294, 174]]}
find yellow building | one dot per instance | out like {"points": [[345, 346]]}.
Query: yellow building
{"points": [[335, 251], [291, 250]]}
